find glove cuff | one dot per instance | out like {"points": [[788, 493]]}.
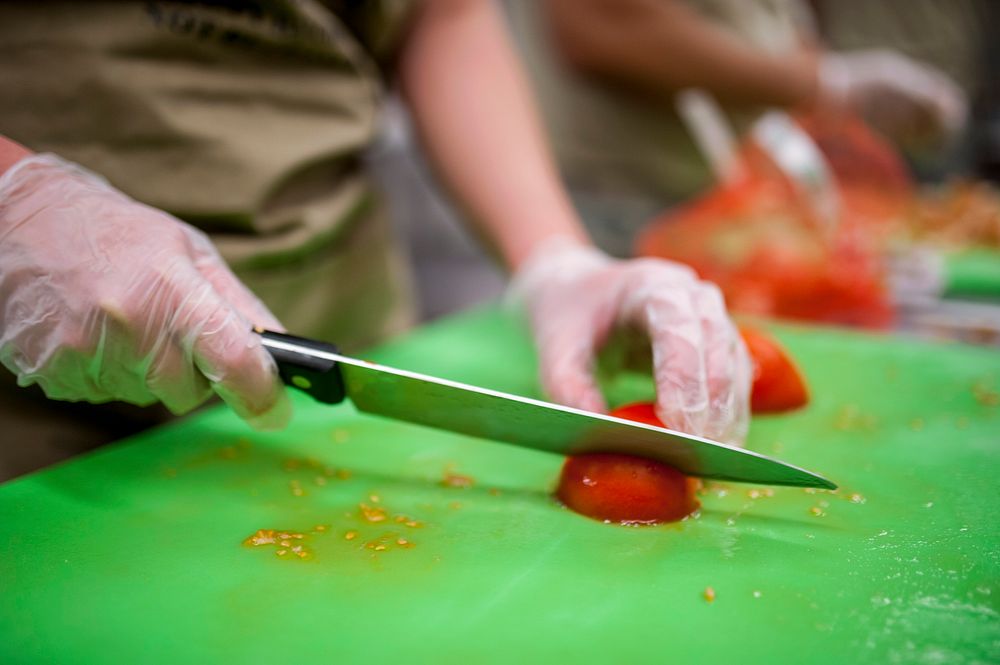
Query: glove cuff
{"points": [[46, 159], [24, 169], [555, 260]]}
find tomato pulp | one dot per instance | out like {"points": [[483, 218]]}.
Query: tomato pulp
{"points": [[625, 489]]}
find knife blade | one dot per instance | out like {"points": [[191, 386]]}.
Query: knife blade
{"points": [[318, 369]]}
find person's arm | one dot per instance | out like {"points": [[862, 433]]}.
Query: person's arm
{"points": [[475, 116], [658, 47], [474, 113]]}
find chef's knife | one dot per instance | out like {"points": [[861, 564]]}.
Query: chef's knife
{"points": [[318, 369]]}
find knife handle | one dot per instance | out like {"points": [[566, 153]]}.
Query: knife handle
{"points": [[302, 368]]}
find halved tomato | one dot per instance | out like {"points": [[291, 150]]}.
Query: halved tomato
{"points": [[625, 489]]}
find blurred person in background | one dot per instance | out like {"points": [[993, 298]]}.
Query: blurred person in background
{"points": [[248, 120], [951, 35], [607, 72]]}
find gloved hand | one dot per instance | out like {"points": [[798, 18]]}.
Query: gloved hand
{"points": [[577, 296], [915, 104], [102, 298]]}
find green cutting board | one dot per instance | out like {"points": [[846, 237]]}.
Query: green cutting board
{"points": [[133, 554]]}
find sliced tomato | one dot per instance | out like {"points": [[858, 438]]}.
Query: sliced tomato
{"points": [[777, 383], [625, 489]]}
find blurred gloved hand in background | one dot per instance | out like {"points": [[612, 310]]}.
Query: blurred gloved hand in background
{"points": [[103, 298], [576, 297], [912, 103]]}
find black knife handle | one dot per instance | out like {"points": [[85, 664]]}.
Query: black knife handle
{"points": [[301, 368]]}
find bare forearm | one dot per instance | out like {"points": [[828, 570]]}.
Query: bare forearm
{"points": [[11, 152], [476, 119], [660, 47]]}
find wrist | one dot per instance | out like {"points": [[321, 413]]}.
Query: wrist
{"points": [[833, 81], [523, 228], [549, 244], [36, 180], [11, 152], [553, 260], [809, 89]]}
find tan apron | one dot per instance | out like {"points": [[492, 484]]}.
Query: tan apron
{"points": [[245, 119], [625, 158]]}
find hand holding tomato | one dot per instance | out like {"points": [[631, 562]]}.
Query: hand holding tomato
{"points": [[778, 385], [633, 490], [576, 297]]}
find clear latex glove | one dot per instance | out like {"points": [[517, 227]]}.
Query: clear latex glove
{"points": [[577, 296], [103, 298], [913, 103]]}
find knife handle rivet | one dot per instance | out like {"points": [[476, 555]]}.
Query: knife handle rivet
{"points": [[301, 382]]}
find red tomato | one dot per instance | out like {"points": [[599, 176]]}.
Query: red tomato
{"points": [[626, 489], [777, 383]]}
